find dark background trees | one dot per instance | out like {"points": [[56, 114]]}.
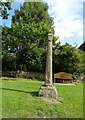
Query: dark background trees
{"points": [[68, 59]]}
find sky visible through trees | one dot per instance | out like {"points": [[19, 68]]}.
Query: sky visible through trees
{"points": [[68, 24]]}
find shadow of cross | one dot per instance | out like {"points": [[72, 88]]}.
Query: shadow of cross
{"points": [[33, 93]]}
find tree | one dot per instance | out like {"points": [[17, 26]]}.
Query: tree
{"points": [[5, 6], [27, 37], [33, 11], [30, 25], [68, 59], [31, 60], [8, 57]]}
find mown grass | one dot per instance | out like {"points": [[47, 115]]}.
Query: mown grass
{"points": [[20, 100]]}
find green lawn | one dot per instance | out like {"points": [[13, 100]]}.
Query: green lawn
{"points": [[20, 100]]}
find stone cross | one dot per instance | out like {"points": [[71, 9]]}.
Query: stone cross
{"points": [[47, 90], [48, 75]]}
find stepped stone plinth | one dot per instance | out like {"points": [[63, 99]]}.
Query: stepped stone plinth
{"points": [[48, 91]]}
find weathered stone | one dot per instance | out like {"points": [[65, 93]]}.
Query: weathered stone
{"points": [[48, 90], [48, 75]]}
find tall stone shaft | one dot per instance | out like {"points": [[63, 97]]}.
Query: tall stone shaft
{"points": [[47, 90], [48, 74]]}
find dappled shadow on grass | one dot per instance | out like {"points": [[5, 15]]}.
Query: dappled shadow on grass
{"points": [[33, 93]]}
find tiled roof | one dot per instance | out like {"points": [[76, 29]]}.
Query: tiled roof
{"points": [[82, 46]]}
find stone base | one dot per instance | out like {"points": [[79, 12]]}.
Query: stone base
{"points": [[48, 91]]}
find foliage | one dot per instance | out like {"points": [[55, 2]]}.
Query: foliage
{"points": [[31, 60], [32, 35], [8, 57], [81, 76], [27, 38], [5, 7], [33, 11], [68, 59], [9, 61], [32, 23], [6, 42]]}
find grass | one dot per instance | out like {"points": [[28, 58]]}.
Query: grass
{"points": [[20, 100]]}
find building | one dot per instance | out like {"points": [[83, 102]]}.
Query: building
{"points": [[82, 46]]}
